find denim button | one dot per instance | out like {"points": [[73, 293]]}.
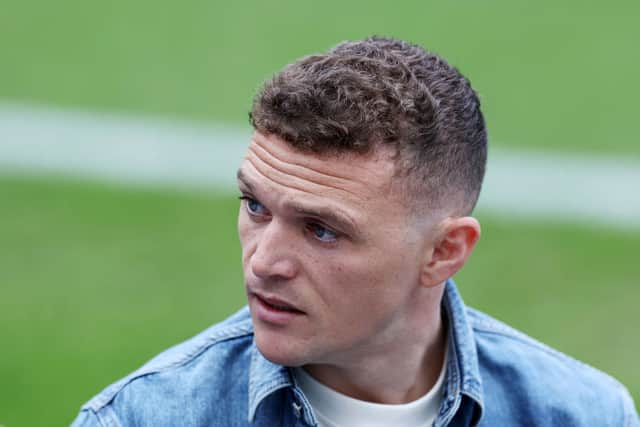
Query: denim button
{"points": [[297, 409]]}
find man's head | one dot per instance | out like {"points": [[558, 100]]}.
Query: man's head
{"points": [[348, 147], [379, 92]]}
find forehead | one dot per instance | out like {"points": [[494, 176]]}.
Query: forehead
{"points": [[271, 162]]}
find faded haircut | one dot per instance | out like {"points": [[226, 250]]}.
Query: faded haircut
{"points": [[384, 92]]}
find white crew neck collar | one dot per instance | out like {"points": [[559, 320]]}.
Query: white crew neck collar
{"points": [[335, 409]]}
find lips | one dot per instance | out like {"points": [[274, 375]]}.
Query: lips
{"points": [[277, 304], [273, 310]]}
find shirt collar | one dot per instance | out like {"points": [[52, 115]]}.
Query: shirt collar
{"points": [[462, 377], [463, 372], [264, 379]]}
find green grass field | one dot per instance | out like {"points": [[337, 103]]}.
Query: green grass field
{"points": [[559, 75], [96, 280]]}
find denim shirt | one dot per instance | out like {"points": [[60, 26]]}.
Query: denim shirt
{"points": [[495, 376]]}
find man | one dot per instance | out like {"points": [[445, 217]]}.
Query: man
{"points": [[357, 187]]}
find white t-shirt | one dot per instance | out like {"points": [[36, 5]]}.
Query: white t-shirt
{"points": [[334, 409]]}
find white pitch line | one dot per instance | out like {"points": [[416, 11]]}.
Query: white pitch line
{"points": [[122, 149], [152, 152]]}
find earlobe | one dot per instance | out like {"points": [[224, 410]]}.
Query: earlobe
{"points": [[453, 245]]}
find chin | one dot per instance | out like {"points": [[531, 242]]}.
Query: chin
{"points": [[279, 349]]}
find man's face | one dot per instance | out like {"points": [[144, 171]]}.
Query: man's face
{"points": [[331, 256]]}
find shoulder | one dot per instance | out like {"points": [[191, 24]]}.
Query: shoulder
{"points": [[201, 370], [529, 380]]}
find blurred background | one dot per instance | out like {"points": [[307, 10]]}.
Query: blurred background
{"points": [[122, 123]]}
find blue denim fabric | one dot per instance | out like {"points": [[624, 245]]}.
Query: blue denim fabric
{"points": [[496, 376]]}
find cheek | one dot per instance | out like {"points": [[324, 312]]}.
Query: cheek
{"points": [[242, 228], [377, 280], [246, 234], [349, 284]]}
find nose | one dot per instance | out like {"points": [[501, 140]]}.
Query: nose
{"points": [[274, 256]]}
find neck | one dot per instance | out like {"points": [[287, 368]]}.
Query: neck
{"points": [[397, 371]]}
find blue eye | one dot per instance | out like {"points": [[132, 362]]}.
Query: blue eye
{"points": [[254, 207], [323, 233]]}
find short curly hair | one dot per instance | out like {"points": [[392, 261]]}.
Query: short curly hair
{"points": [[382, 91]]}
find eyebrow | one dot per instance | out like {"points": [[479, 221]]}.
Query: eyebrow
{"points": [[243, 179], [338, 218]]}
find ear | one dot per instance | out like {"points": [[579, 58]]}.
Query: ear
{"points": [[453, 243]]}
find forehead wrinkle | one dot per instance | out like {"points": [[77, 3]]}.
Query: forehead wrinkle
{"points": [[273, 150], [301, 170], [255, 158], [275, 181], [379, 154], [297, 170]]}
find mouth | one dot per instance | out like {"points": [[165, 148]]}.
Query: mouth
{"points": [[277, 304], [273, 310]]}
